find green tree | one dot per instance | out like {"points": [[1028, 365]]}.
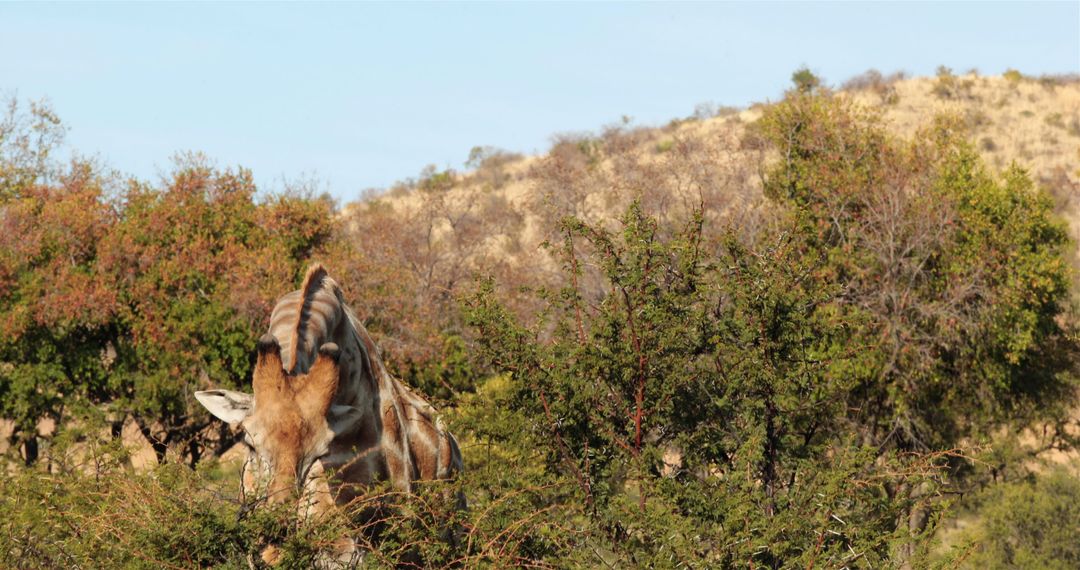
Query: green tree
{"points": [[197, 267], [805, 80], [698, 405], [57, 316], [960, 277]]}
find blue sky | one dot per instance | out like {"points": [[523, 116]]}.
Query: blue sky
{"points": [[359, 95]]}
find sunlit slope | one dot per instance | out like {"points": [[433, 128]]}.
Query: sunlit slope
{"points": [[712, 158]]}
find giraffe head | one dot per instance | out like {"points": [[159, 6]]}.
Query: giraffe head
{"points": [[285, 422]]}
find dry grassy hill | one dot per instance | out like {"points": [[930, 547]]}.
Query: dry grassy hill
{"points": [[1035, 123], [711, 158]]}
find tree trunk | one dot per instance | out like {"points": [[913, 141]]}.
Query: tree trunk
{"points": [[30, 450], [916, 520], [161, 448]]}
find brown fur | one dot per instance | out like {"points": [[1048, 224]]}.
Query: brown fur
{"points": [[335, 411], [290, 412]]}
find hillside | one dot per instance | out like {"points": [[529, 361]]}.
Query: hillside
{"points": [[711, 157]]}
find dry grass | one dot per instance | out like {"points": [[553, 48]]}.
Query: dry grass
{"points": [[1026, 121], [711, 159]]}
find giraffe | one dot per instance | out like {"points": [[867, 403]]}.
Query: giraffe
{"points": [[326, 419]]}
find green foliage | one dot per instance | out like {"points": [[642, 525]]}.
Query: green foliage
{"points": [[91, 511], [698, 406], [916, 302], [1030, 523], [805, 81], [1013, 76], [134, 305], [959, 279], [449, 375]]}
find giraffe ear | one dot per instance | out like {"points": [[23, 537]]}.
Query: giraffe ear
{"points": [[226, 405]]}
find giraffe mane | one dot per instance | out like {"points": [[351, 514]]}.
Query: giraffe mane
{"points": [[313, 279]]}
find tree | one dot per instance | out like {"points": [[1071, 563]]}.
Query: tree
{"points": [[903, 303], [57, 316], [961, 278], [805, 81], [197, 266], [699, 404], [28, 138], [123, 307]]}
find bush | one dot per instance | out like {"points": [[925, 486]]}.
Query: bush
{"points": [[1055, 120], [873, 81], [90, 510], [805, 81], [946, 85], [1032, 523]]}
